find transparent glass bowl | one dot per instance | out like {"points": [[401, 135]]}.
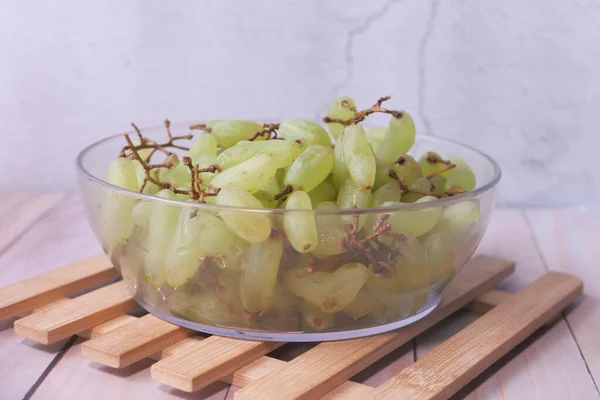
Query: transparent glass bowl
{"points": [[400, 281]]}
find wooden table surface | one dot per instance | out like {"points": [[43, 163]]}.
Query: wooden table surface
{"points": [[562, 361]]}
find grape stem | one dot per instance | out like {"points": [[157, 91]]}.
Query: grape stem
{"points": [[439, 171], [196, 182], [287, 189], [405, 189], [201, 127], [360, 116], [268, 131]]}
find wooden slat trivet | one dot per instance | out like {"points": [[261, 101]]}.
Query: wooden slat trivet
{"points": [[190, 363]]}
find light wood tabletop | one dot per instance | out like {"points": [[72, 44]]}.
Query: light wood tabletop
{"points": [[40, 232]]}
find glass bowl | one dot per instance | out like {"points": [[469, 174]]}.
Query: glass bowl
{"points": [[359, 283]]}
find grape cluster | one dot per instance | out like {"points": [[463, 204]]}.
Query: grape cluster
{"points": [[324, 264]]}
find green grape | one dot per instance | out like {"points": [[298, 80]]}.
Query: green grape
{"points": [[161, 229], [403, 166], [266, 199], [342, 109], [363, 304], [204, 308], [300, 227], [399, 138], [438, 184], [204, 145], [141, 214], [313, 319], [308, 132], [440, 255], [457, 219], [416, 222], [117, 208], [310, 169], [359, 157], [252, 227], [229, 132], [273, 186], [421, 185], [259, 274], [283, 152], [339, 171], [459, 177], [349, 197], [324, 191], [331, 231], [250, 175], [412, 271], [388, 192], [330, 291], [429, 163], [375, 137], [280, 176]]}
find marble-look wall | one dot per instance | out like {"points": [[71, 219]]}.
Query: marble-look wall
{"points": [[517, 79]]}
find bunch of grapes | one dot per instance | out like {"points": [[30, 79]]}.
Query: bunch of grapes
{"points": [[324, 264]]}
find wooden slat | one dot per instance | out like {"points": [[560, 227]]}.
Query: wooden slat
{"points": [[82, 313], [133, 342], [50, 286], [488, 300], [329, 364], [209, 360], [468, 353]]}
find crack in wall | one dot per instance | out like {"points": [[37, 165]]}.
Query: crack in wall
{"points": [[351, 35], [433, 13]]}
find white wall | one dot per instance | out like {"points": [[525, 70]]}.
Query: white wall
{"points": [[518, 79]]}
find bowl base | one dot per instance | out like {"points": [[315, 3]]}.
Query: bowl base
{"points": [[288, 336]]}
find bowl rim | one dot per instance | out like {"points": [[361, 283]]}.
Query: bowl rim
{"points": [[478, 190]]}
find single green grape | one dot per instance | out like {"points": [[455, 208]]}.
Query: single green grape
{"points": [[363, 304], [430, 163], [459, 177], [259, 274], [359, 157], [283, 152], [250, 175], [266, 199], [404, 166], [308, 132], [313, 319], [457, 220], [310, 168], [438, 183], [375, 137], [228, 132], [324, 191], [331, 231], [252, 227], [203, 145], [421, 186], [417, 222], [161, 229], [204, 308], [342, 109], [339, 170], [350, 196], [273, 187], [388, 192], [117, 208], [399, 138], [300, 227], [141, 214], [330, 291]]}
